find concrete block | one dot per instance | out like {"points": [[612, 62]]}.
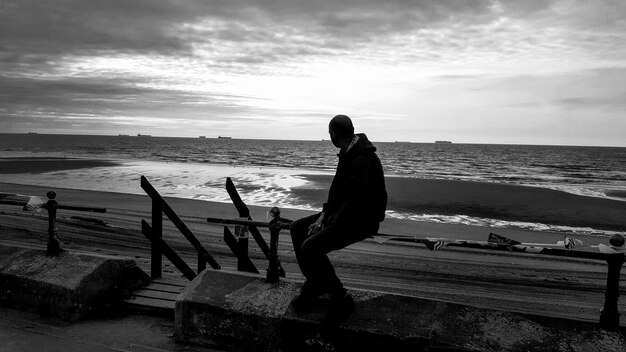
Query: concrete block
{"points": [[242, 312], [69, 285]]}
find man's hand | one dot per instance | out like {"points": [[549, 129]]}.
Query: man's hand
{"points": [[318, 225]]}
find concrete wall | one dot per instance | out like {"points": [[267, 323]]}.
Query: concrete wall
{"points": [[69, 285], [242, 312]]}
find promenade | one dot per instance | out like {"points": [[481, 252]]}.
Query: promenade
{"points": [[524, 283]]}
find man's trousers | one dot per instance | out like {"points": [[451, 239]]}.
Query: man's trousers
{"points": [[311, 249]]}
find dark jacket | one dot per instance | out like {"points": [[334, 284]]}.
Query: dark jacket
{"points": [[357, 193]]}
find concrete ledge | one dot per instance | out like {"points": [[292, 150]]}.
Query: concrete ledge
{"points": [[242, 312], [69, 285]]}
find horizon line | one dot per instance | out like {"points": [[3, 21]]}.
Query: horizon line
{"points": [[310, 140]]}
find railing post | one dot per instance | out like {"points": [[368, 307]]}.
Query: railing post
{"points": [[242, 246], [609, 315], [273, 273], [54, 245], [201, 263], [157, 231]]}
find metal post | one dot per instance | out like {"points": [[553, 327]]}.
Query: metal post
{"points": [[609, 315], [273, 273], [157, 231], [54, 245]]}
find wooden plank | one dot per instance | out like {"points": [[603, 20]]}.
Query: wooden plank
{"points": [[164, 288], [147, 293], [151, 304], [174, 282], [156, 267], [201, 263], [242, 208]]}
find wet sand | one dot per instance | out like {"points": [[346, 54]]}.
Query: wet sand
{"points": [[45, 164], [491, 200]]}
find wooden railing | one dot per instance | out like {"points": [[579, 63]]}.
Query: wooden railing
{"points": [[274, 270], [244, 213], [159, 247]]}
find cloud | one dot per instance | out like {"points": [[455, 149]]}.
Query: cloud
{"points": [[80, 98], [616, 102], [591, 93], [42, 31], [233, 34], [82, 27], [198, 61]]}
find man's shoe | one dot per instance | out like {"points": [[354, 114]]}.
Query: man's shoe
{"points": [[340, 309], [307, 298]]}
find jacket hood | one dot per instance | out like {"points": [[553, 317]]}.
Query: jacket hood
{"points": [[362, 146]]}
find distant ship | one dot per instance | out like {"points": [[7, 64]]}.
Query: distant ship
{"points": [[122, 135], [443, 142], [223, 137], [32, 133], [402, 142], [143, 135], [202, 137]]}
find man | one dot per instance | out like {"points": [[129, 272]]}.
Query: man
{"points": [[356, 205]]}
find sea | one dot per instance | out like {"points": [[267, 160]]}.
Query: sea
{"points": [[265, 171]]}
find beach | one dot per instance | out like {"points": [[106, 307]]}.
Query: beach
{"points": [[554, 286]]}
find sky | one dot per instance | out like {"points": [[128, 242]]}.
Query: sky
{"points": [[475, 71]]}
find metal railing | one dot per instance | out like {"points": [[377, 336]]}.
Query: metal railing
{"points": [[34, 203], [609, 314]]}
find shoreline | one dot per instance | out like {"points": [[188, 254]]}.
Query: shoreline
{"points": [[413, 199]]}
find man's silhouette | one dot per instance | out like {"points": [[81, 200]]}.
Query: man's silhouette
{"points": [[356, 205]]}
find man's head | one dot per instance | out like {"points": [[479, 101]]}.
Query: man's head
{"points": [[341, 131]]}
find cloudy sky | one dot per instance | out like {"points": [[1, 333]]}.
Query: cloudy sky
{"points": [[475, 71]]}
